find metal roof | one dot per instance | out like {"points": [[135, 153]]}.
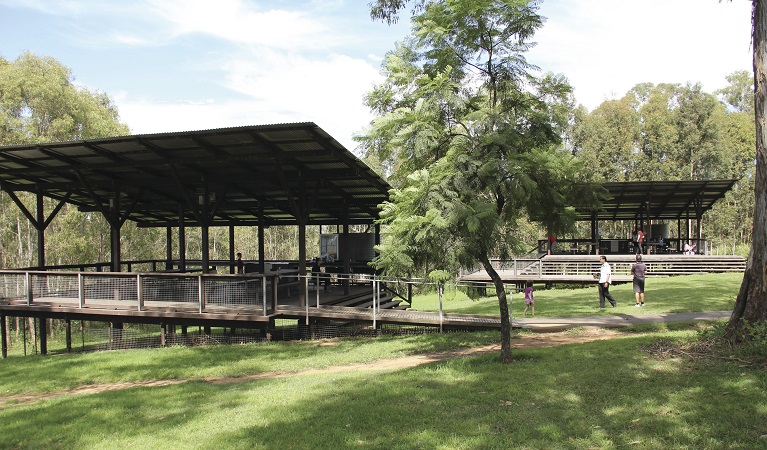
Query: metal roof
{"points": [[227, 176], [659, 200]]}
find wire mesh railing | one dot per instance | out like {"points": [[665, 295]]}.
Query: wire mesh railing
{"points": [[137, 290]]}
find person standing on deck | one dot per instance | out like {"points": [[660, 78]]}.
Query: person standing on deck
{"points": [[640, 240], [605, 280], [551, 243], [240, 264], [317, 274]]}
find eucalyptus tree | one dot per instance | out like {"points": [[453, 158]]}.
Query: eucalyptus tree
{"points": [[606, 140], [739, 94], [731, 219], [680, 131], [39, 102], [470, 138], [699, 147], [751, 303]]}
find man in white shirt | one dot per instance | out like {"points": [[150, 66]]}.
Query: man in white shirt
{"points": [[605, 280]]}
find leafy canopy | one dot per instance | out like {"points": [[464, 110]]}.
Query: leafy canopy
{"points": [[39, 102], [470, 137]]}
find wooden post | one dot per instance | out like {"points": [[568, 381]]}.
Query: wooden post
{"points": [[232, 267], [261, 248], [43, 331], [4, 335], [168, 248], [181, 239], [343, 246], [68, 324]]}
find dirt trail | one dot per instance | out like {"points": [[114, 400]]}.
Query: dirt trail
{"points": [[539, 340]]}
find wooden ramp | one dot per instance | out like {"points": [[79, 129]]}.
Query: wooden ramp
{"points": [[581, 268], [409, 317], [357, 306]]}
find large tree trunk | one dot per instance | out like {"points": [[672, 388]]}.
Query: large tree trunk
{"points": [[751, 304], [504, 311]]}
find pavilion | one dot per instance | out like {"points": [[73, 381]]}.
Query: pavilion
{"points": [[650, 206], [265, 175]]}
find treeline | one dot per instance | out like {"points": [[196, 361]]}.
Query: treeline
{"points": [[678, 132], [39, 102], [654, 132]]}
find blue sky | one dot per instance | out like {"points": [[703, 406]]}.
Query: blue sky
{"points": [[176, 65]]}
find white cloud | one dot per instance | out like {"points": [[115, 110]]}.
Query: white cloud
{"points": [[314, 62], [277, 66], [239, 22], [605, 47], [274, 70], [274, 88]]}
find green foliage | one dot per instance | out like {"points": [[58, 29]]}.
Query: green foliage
{"points": [[677, 132], [662, 132], [739, 95], [606, 140], [440, 277], [40, 103], [388, 10], [469, 138]]}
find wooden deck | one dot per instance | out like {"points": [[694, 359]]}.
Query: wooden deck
{"points": [[580, 269], [332, 305]]}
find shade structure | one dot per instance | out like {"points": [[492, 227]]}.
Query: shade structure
{"points": [[658, 200], [282, 174]]}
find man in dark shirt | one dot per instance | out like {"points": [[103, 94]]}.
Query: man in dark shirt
{"points": [[639, 270]]}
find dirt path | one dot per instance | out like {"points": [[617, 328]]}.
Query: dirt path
{"points": [[538, 340]]}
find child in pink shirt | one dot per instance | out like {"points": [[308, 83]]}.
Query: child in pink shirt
{"points": [[529, 300]]}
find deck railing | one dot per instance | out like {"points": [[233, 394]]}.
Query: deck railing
{"points": [[587, 265], [137, 290]]}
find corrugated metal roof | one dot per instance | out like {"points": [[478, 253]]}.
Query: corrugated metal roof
{"points": [[227, 176], [659, 200]]}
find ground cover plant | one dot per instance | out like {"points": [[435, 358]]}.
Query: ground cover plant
{"points": [[690, 293]]}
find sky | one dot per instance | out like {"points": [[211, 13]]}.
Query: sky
{"points": [[179, 65]]}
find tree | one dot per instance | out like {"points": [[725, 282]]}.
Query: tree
{"points": [[39, 102], [739, 95], [751, 303], [471, 141], [731, 219], [607, 138]]}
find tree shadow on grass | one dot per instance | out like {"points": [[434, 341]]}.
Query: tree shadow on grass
{"points": [[602, 394]]}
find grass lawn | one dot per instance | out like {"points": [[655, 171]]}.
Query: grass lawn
{"points": [[606, 394], [691, 293]]}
